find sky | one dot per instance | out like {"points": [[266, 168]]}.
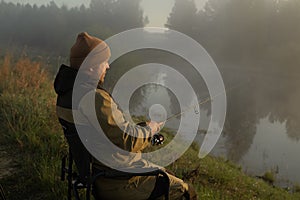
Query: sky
{"points": [[156, 10]]}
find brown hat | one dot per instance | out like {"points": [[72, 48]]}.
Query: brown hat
{"points": [[83, 46]]}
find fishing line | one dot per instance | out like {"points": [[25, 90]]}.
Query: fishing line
{"points": [[208, 99]]}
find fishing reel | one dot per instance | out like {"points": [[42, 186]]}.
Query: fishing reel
{"points": [[157, 138]]}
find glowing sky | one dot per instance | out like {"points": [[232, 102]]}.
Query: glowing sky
{"points": [[156, 10]]}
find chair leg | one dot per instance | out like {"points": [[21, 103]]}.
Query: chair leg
{"points": [[88, 191], [2, 193], [75, 189], [70, 174]]}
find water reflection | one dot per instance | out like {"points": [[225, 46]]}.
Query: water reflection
{"points": [[262, 128], [272, 149]]}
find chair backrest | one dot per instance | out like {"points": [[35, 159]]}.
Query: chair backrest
{"points": [[80, 155]]}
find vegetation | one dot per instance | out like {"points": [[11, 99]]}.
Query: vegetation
{"points": [[248, 33], [269, 177], [33, 137], [297, 188], [29, 130], [52, 29], [256, 32]]}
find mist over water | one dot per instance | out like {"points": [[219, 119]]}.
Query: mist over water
{"points": [[261, 131]]}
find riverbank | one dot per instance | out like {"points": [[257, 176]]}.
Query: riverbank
{"points": [[34, 142], [216, 178], [213, 178]]}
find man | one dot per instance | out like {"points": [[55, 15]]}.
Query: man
{"points": [[123, 134]]}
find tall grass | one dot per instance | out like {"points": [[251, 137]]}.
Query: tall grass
{"points": [[28, 124]]}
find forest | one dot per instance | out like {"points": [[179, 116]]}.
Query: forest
{"points": [[256, 32]]}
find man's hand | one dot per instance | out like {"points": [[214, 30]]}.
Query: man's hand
{"points": [[155, 126]]}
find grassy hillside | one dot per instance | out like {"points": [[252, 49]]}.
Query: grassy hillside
{"points": [[33, 139], [29, 131]]}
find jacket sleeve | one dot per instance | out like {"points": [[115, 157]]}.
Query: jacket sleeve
{"points": [[124, 134]]}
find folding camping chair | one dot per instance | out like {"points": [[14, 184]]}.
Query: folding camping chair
{"points": [[75, 183], [86, 176]]}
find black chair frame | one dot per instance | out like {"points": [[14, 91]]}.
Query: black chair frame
{"points": [[2, 193], [75, 184]]}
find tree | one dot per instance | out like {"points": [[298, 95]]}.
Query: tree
{"points": [[183, 17], [52, 29]]}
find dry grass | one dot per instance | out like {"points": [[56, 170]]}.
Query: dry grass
{"points": [[29, 125], [22, 76]]}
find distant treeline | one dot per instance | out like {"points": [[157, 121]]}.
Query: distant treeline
{"points": [[246, 32], [52, 28]]}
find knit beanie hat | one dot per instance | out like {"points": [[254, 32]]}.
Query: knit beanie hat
{"points": [[83, 46]]}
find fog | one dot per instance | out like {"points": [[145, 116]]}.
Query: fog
{"points": [[253, 42]]}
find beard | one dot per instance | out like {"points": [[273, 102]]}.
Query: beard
{"points": [[101, 81]]}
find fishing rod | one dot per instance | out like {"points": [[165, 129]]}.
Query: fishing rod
{"points": [[158, 138], [201, 102]]}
